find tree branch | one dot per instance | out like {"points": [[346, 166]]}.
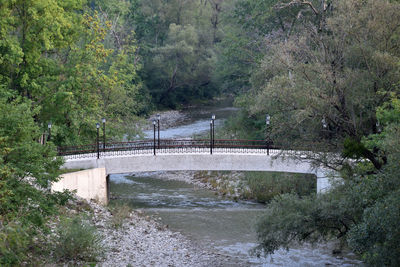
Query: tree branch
{"points": [[297, 2]]}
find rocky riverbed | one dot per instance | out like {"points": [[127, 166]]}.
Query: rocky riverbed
{"points": [[142, 241], [170, 118], [230, 184]]}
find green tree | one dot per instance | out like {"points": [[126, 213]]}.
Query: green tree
{"points": [[27, 167], [310, 79], [182, 68], [363, 210]]}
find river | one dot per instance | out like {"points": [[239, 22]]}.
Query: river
{"points": [[215, 222]]}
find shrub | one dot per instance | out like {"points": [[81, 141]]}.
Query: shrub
{"points": [[77, 240], [264, 186], [119, 213], [14, 244]]}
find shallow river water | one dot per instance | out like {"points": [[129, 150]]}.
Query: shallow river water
{"points": [[212, 221]]}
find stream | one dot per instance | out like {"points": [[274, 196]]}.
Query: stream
{"points": [[212, 221]]}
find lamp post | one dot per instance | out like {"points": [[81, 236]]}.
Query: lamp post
{"points": [[324, 123], [213, 131], [98, 145], [267, 123], [158, 127], [378, 127], [103, 120], [211, 136], [49, 127], [154, 139]]}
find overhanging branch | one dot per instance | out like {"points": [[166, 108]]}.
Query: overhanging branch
{"points": [[297, 2]]}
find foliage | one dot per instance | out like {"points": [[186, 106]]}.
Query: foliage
{"points": [[27, 167], [308, 76], [363, 210], [177, 44], [327, 72], [264, 186], [14, 244], [376, 238], [54, 53], [179, 74], [77, 240]]}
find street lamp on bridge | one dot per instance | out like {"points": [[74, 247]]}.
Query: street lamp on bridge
{"points": [[213, 129], [267, 123], [49, 127], [324, 123], [103, 120], [158, 127], [154, 137], [211, 136], [98, 145]]}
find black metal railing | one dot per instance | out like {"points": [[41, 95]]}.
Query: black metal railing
{"points": [[149, 146]]}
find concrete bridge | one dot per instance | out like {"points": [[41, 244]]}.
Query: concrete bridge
{"points": [[177, 159]]}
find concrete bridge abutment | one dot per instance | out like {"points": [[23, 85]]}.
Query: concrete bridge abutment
{"points": [[91, 184]]}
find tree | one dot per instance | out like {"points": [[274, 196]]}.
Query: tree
{"points": [[176, 77], [27, 167], [182, 69], [363, 210], [311, 78]]}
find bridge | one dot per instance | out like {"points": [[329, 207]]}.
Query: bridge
{"points": [[178, 155]]}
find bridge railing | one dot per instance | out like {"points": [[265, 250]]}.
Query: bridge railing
{"points": [[163, 146]]}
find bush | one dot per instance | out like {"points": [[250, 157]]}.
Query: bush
{"points": [[377, 237], [14, 244], [119, 213], [77, 240]]}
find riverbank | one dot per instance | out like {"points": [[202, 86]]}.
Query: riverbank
{"points": [[134, 239], [168, 119]]}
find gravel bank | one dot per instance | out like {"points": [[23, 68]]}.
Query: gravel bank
{"points": [[141, 241], [229, 184], [170, 118]]}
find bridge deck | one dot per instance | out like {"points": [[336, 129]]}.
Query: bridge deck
{"points": [[174, 155]]}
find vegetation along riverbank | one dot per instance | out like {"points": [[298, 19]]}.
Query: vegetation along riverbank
{"points": [[325, 73]]}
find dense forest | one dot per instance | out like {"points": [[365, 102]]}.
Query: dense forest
{"points": [[327, 72]]}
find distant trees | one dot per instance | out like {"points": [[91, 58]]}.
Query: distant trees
{"points": [[177, 44]]}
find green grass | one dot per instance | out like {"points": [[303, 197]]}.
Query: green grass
{"points": [[120, 212]]}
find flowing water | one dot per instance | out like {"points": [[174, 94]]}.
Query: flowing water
{"points": [[212, 221], [198, 121]]}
